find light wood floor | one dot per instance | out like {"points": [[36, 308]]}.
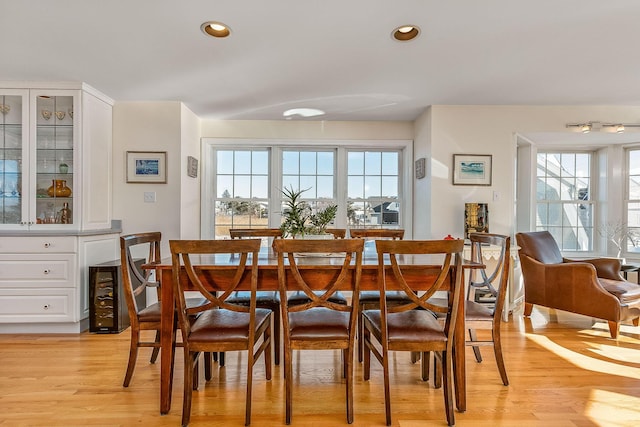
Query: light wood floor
{"points": [[564, 371]]}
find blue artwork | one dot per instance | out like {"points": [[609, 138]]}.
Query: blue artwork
{"points": [[472, 170], [148, 167]]}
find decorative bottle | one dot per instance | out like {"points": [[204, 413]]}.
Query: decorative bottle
{"points": [[65, 214]]}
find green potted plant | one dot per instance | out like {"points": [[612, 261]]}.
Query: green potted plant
{"points": [[299, 219]]}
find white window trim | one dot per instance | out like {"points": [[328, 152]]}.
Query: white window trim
{"points": [[276, 145]]}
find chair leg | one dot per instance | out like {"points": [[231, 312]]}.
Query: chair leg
{"points": [[360, 334], [366, 357], [222, 358], [476, 350], [528, 308], [133, 355], [636, 321], [188, 383], [247, 404], [267, 337], [156, 350], [288, 383], [196, 372], [448, 385], [387, 395], [614, 328], [207, 365], [349, 379], [437, 369], [415, 356], [425, 366], [497, 349]]}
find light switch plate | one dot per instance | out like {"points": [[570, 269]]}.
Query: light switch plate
{"points": [[149, 196]]}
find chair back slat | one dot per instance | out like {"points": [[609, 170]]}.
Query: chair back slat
{"points": [[135, 281], [495, 281], [377, 233], [449, 269], [344, 277], [188, 266]]}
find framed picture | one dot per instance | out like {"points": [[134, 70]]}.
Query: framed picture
{"points": [[147, 167], [472, 169], [192, 167]]}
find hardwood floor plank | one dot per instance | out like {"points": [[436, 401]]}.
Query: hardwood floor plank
{"points": [[564, 371]]}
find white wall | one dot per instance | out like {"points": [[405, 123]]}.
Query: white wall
{"points": [[189, 187], [447, 130], [147, 126]]}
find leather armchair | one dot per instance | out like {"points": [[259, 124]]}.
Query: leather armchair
{"points": [[591, 287]]}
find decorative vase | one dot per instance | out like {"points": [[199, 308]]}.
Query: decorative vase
{"points": [[59, 189], [63, 167]]}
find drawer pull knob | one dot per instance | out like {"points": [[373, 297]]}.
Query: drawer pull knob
{"points": [[47, 245], [47, 271], [46, 306]]}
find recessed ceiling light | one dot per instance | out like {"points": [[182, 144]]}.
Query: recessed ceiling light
{"points": [[303, 112], [215, 29], [405, 33]]}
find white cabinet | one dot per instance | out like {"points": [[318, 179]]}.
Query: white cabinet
{"points": [[44, 280], [55, 203], [55, 157]]}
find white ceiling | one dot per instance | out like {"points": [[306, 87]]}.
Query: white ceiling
{"points": [[335, 55]]}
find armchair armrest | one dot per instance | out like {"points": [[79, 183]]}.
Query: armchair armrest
{"points": [[606, 268]]}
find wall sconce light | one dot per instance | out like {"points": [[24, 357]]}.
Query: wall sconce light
{"points": [[598, 126]]}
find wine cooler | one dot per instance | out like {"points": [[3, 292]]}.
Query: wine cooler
{"points": [[107, 303]]}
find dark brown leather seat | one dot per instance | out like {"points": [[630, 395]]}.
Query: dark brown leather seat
{"points": [[318, 323], [592, 287], [219, 326]]}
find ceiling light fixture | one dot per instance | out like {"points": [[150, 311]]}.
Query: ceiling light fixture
{"points": [[303, 112], [598, 126], [215, 29], [405, 33]]}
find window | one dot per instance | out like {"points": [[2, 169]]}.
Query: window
{"points": [[564, 203], [243, 179], [633, 200], [241, 190], [373, 188], [312, 171]]}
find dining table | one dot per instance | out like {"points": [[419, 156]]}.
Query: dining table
{"points": [[419, 271]]}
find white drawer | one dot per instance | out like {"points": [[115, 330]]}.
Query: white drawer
{"points": [[33, 305], [38, 244], [37, 270]]}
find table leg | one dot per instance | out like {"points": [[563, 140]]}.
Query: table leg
{"points": [[167, 338]]}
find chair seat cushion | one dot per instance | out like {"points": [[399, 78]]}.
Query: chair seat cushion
{"points": [[299, 297], [262, 297], [152, 312], [219, 325], [626, 292], [475, 311], [369, 297], [408, 326], [319, 324]]}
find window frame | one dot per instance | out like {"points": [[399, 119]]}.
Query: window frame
{"points": [[276, 146], [592, 200]]}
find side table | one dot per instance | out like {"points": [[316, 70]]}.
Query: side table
{"points": [[630, 268]]}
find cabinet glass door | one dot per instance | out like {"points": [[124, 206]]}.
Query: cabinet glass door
{"points": [[54, 159], [12, 151]]}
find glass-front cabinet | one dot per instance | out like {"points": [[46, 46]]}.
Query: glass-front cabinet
{"points": [[37, 145]]}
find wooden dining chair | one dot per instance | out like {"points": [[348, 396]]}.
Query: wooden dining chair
{"points": [[338, 233], [493, 281], [219, 326], [371, 299], [319, 324], [401, 327], [264, 299], [136, 281]]}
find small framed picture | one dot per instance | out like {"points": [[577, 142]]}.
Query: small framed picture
{"points": [[147, 167], [472, 169], [192, 167], [421, 170]]}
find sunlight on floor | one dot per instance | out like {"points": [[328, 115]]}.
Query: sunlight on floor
{"points": [[586, 362], [600, 408]]}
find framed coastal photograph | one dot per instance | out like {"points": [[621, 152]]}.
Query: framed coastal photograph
{"points": [[472, 169], [147, 167]]}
